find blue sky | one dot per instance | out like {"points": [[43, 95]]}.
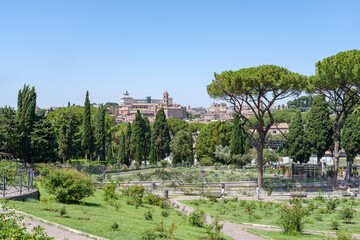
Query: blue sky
{"points": [[64, 48]]}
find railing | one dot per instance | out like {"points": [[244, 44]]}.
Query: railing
{"points": [[17, 184]]}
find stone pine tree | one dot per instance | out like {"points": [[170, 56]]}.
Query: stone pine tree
{"points": [[297, 146], [259, 88], [99, 133], [350, 141], [25, 117], [237, 138], [153, 156], [319, 129], [122, 155], [138, 137], [338, 79], [128, 156], [161, 135], [8, 130], [87, 134]]}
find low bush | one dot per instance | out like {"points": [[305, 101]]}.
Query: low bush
{"points": [[109, 191], [63, 211], [347, 214], [148, 234], [114, 227], [164, 213], [69, 185], [148, 215], [154, 199], [136, 193], [197, 218], [291, 217], [214, 230]]}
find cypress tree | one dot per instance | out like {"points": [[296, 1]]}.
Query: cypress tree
{"points": [[248, 146], [43, 142], [122, 157], [8, 130], [297, 146], [147, 139], [190, 157], [138, 135], [99, 132], [153, 159], [25, 117], [138, 158], [319, 130], [161, 135], [237, 137], [87, 134], [128, 155]]}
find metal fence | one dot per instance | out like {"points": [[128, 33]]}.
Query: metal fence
{"points": [[15, 184]]}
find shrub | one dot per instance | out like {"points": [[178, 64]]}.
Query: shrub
{"points": [[214, 229], [217, 166], [63, 211], [164, 204], [205, 162], [347, 214], [124, 168], [49, 203], [69, 185], [148, 234], [164, 213], [136, 193], [154, 199], [148, 215], [164, 163], [109, 191], [334, 225], [197, 218], [291, 217], [332, 203], [114, 226]]}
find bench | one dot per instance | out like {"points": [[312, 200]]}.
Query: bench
{"points": [[298, 195]]}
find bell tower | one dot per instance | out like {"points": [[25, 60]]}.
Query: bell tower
{"points": [[166, 99]]}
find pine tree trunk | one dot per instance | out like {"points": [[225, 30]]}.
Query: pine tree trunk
{"points": [[260, 165], [336, 156]]}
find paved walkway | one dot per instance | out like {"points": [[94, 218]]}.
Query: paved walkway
{"points": [[235, 230], [57, 231]]}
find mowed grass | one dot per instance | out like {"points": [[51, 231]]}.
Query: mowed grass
{"points": [[283, 236], [96, 216], [267, 212]]}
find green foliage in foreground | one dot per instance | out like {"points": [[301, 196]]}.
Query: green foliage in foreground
{"points": [[96, 216], [283, 236]]}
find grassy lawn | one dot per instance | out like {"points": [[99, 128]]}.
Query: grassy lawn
{"points": [[283, 236], [266, 213], [96, 216]]}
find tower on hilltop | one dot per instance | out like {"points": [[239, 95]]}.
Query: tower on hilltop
{"points": [[166, 99]]}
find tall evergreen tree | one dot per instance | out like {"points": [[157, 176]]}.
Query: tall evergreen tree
{"points": [[8, 142], [147, 139], [128, 155], [110, 153], [68, 134], [247, 146], [237, 138], [25, 117], [138, 158], [122, 155], [87, 134], [350, 141], [190, 142], [180, 147], [161, 135], [297, 146], [43, 142], [319, 130], [153, 156], [138, 136], [99, 132]]}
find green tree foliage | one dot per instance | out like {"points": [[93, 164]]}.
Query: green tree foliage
{"points": [[180, 147], [8, 129], [237, 138], [99, 132], [43, 142], [128, 154], [122, 155], [87, 134], [319, 130], [190, 158], [147, 139], [223, 153], [68, 134], [69, 185], [194, 127], [335, 78], [153, 157], [138, 129], [25, 117], [258, 87], [214, 134], [350, 140], [161, 135], [302, 103], [297, 145], [176, 125]]}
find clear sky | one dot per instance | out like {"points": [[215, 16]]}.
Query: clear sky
{"points": [[66, 47]]}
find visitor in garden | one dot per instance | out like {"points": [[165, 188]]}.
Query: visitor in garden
{"points": [[349, 191], [223, 192], [258, 193]]}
